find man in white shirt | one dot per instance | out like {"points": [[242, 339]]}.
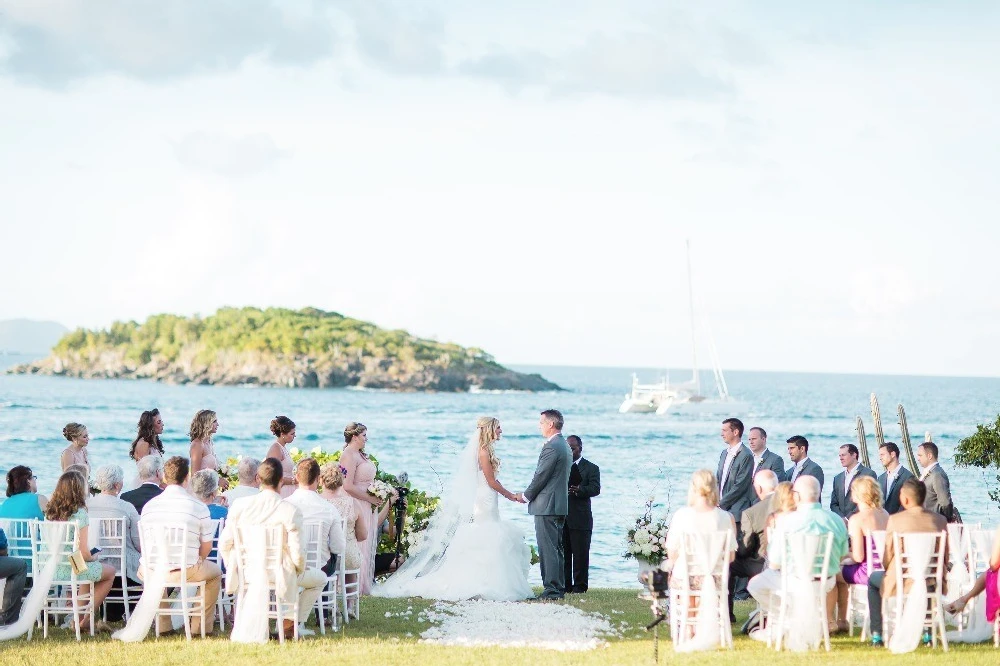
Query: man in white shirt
{"points": [[893, 478], [938, 497], [316, 509], [840, 497], [249, 485], [798, 451], [734, 473], [176, 506]]}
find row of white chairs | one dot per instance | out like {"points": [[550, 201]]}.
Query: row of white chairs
{"points": [[27, 540]]}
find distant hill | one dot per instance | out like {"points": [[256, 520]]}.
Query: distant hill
{"points": [[24, 336], [306, 348]]}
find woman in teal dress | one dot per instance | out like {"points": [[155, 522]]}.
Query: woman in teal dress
{"points": [[23, 500], [69, 503]]}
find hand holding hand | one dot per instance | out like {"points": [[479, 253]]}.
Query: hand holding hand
{"points": [[519, 498]]}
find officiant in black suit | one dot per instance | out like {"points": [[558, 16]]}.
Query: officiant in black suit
{"points": [[584, 483]]}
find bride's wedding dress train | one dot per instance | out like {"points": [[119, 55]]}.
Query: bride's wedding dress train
{"points": [[468, 551]]}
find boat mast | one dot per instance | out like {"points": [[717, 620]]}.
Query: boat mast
{"points": [[695, 377]]}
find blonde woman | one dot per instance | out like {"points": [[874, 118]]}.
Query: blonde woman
{"points": [[76, 452], [870, 517], [702, 514], [467, 550], [784, 504], [202, 451], [331, 478]]}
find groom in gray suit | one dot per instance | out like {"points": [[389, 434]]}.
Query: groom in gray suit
{"points": [[548, 502]]}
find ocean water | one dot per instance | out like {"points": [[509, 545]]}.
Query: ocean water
{"points": [[639, 455]]}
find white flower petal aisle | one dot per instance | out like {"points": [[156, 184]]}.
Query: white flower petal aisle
{"points": [[515, 624]]}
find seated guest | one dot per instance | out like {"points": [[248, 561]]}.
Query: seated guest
{"points": [[205, 488], [913, 518], [809, 517], [69, 503], [249, 486], [14, 573], [752, 544], [840, 497], [150, 482], [988, 581], [331, 476], [110, 479], [268, 509], [175, 505], [702, 514], [23, 500], [870, 517], [315, 508], [783, 504]]}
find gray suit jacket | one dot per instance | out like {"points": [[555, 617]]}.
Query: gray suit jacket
{"points": [[734, 496], [840, 499], [809, 468], [548, 492], [938, 497], [772, 461], [891, 495]]}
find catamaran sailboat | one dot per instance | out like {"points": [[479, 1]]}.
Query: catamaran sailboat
{"points": [[686, 397]]}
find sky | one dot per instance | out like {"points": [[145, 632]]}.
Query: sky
{"points": [[519, 176]]}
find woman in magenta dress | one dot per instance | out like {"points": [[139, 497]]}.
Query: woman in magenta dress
{"points": [[360, 473], [283, 428], [871, 517]]}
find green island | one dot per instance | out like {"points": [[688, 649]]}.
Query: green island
{"points": [[386, 634], [307, 348]]}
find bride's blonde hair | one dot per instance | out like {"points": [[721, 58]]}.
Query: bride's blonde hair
{"points": [[488, 426]]}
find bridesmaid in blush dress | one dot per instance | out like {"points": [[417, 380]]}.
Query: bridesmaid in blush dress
{"points": [[283, 428], [147, 442], [360, 473], [76, 453], [202, 453]]}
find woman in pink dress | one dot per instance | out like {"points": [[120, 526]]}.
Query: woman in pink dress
{"points": [[147, 442], [283, 428], [202, 452], [360, 474], [76, 452]]}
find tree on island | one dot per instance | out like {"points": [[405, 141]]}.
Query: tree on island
{"points": [[982, 450]]}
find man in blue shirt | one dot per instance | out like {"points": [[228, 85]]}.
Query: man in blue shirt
{"points": [[14, 571]]}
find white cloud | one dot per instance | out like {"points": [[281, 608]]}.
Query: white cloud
{"points": [[227, 156]]}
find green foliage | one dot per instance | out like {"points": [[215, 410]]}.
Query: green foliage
{"points": [[277, 332], [982, 449]]}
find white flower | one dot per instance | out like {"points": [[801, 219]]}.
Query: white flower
{"points": [[317, 450], [293, 451], [641, 536], [646, 549]]}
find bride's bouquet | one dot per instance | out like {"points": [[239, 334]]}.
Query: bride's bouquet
{"points": [[647, 540], [380, 489]]}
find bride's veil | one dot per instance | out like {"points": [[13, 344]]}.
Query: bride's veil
{"points": [[456, 507]]}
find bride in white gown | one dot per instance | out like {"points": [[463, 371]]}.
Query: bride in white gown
{"points": [[468, 551]]}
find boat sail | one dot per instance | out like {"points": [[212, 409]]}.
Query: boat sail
{"points": [[686, 397]]}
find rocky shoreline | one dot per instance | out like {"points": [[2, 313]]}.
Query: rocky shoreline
{"points": [[231, 368]]}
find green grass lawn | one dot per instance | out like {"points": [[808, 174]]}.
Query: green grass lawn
{"points": [[377, 640]]}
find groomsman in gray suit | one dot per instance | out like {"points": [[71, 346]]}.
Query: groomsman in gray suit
{"points": [[938, 488], [735, 472], [548, 502], [798, 451], [840, 499], [893, 478], [763, 458]]}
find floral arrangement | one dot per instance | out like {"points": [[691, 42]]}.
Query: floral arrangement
{"points": [[380, 489], [647, 540]]}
